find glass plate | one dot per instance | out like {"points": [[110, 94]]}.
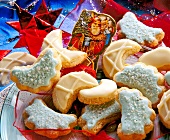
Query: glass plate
{"points": [[8, 131], [7, 104]]}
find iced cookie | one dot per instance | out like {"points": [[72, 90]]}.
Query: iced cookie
{"points": [[158, 57], [38, 116], [164, 109], [11, 60], [100, 94], [146, 79], [95, 117], [115, 55], [129, 27], [41, 76], [68, 58], [167, 77], [92, 32], [137, 115], [66, 90]]}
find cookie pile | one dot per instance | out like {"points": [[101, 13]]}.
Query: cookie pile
{"points": [[131, 92]]}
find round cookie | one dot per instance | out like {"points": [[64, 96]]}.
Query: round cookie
{"points": [[115, 55], [129, 27], [66, 90], [11, 60], [38, 116], [68, 58], [137, 114], [164, 109], [40, 76], [99, 94], [145, 78], [158, 57]]}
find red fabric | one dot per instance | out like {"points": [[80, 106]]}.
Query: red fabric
{"points": [[66, 38], [102, 136], [162, 5], [114, 9], [3, 53], [160, 21]]}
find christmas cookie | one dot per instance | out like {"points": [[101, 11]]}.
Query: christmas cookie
{"points": [[38, 116], [115, 55], [11, 60], [100, 94], [167, 77], [41, 76], [146, 79], [129, 27], [66, 90], [164, 109], [137, 115], [158, 57], [95, 117], [68, 58]]}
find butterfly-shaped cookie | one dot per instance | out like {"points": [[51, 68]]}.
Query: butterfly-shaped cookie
{"points": [[41, 76], [38, 116]]}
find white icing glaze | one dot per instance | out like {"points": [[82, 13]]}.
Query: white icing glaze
{"points": [[135, 112], [164, 107], [167, 77], [104, 89], [54, 40], [136, 30], [45, 118], [157, 57], [11, 60], [67, 85], [94, 113], [113, 58]]}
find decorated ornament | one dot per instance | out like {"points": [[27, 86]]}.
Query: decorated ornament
{"points": [[3, 53], [92, 34], [47, 16], [33, 28]]}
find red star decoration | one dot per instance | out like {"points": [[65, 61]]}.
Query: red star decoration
{"points": [[34, 27], [48, 16], [3, 53]]}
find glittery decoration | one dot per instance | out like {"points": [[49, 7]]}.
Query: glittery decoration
{"points": [[94, 113], [138, 76], [39, 74], [135, 112], [44, 117]]}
